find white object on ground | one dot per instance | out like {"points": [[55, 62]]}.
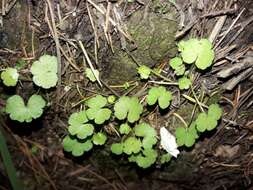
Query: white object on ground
{"points": [[168, 142]]}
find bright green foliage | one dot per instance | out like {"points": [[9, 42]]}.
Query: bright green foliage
{"points": [[131, 145], [148, 142], [96, 109], [184, 83], [210, 120], [18, 111], [177, 64], [76, 147], [111, 99], [128, 107], [144, 71], [126, 85], [144, 130], [117, 148], [186, 136], [215, 111], [45, 71], [124, 129], [165, 158], [201, 122], [10, 77], [79, 126], [198, 51], [89, 74], [99, 138], [82, 131], [161, 95], [78, 118], [144, 159], [149, 134]]}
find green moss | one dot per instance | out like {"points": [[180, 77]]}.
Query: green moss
{"points": [[153, 36]]}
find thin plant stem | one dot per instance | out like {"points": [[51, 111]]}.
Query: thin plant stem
{"points": [[9, 166]]}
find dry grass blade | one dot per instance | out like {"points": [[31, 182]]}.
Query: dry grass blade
{"points": [[89, 62]]}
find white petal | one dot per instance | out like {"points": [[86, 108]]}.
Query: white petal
{"points": [[168, 142]]}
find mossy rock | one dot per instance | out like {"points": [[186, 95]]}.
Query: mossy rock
{"points": [[153, 34]]}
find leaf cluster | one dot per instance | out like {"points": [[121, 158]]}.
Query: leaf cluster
{"points": [[159, 94], [198, 51], [82, 133], [139, 146], [128, 108], [208, 121], [205, 121]]}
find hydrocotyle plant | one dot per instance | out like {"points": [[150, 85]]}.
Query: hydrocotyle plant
{"points": [[45, 71], [138, 140], [18, 111], [10, 76]]}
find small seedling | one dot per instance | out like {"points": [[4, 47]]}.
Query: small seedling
{"points": [[184, 83], [128, 107], [18, 111], [99, 138], [79, 126], [139, 147], [144, 72], [186, 136], [198, 51], [124, 129], [132, 145], [177, 64], [76, 147], [10, 77], [161, 95], [90, 75], [45, 71], [117, 148], [96, 109]]}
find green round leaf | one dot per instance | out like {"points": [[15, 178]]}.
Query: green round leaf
{"points": [[129, 108], [78, 118], [15, 106], [45, 71], [214, 111], [82, 131], [117, 148], [148, 142], [99, 138], [96, 102], [176, 62], [111, 99], [144, 130], [189, 50], [10, 77], [161, 95], [144, 72], [132, 145], [201, 122], [124, 128], [184, 83], [68, 143]]}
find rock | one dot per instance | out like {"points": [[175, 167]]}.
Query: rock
{"points": [[153, 36]]}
